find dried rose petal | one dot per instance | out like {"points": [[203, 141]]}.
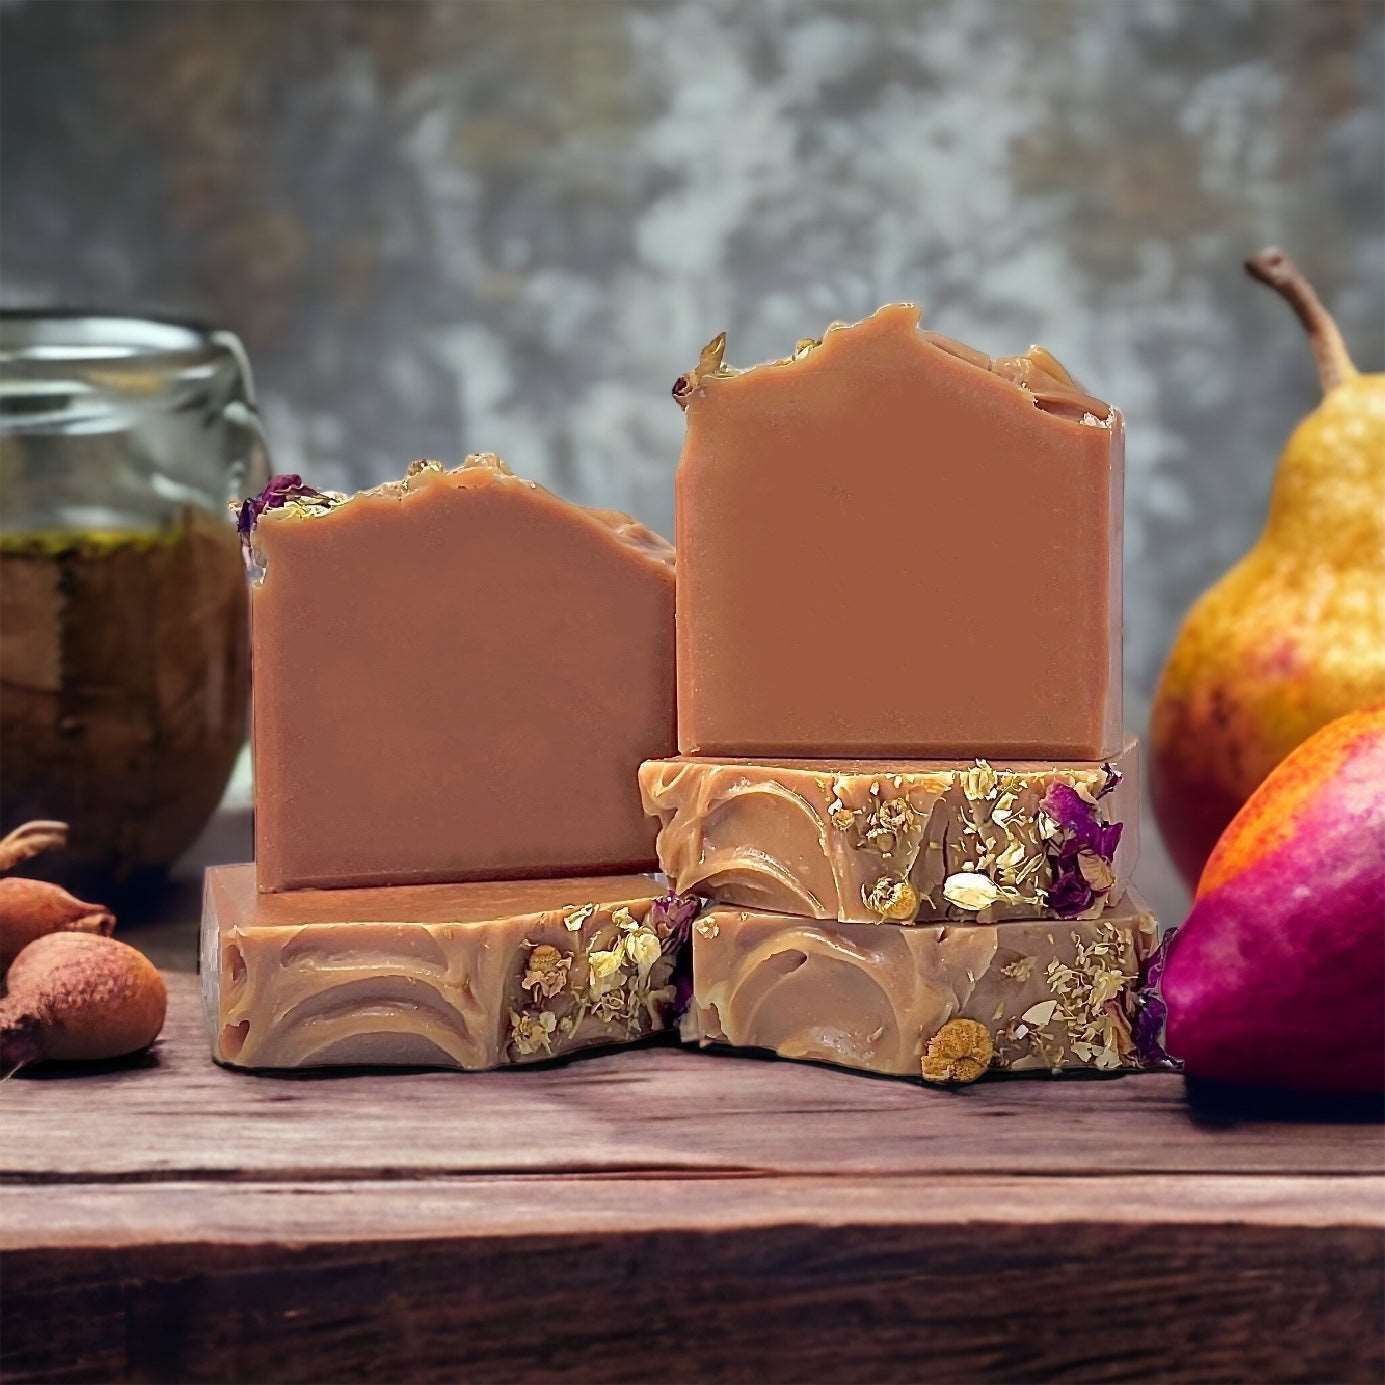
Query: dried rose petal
{"points": [[1113, 780], [1065, 806], [1151, 1012], [278, 491], [1070, 894], [676, 912]]}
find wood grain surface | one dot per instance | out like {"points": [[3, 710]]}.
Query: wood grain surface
{"points": [[668, 1213]]}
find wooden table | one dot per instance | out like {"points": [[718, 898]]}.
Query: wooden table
{"points": [[667, 1214]]}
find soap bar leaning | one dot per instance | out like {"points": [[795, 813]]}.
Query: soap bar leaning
{"points": [[456, 676], [867, 841], [1051, 995], [891, 545], [471, 976]]}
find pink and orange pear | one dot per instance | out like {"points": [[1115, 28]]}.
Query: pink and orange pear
{"points": [[1277, 978]]}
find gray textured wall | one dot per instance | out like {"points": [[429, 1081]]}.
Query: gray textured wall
{"points": [[444, 227]]}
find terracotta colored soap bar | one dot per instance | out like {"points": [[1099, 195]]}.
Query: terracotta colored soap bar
{"points": [[468, 976], [892, 545], [456, 676], [1038, 993], [867, 841]]}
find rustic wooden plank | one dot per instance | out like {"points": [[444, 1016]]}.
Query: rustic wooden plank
{"points": [[922, 1295], [175, 1114], [105, 1215]]}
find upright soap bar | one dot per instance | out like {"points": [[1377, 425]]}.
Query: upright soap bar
{"points": [[1047, 994], [904, 840], [892, 545], [456, 676], [462, 976]]}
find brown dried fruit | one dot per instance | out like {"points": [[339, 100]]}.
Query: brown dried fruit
{"points": [[895, 900], [29, 909], [73, 996], [960, 1051]]}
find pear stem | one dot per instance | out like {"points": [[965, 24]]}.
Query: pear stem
{"points": [[1273, 267]]}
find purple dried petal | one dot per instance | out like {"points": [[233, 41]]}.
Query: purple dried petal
{"points": [[1067, 808], [278, 490], [1081, 821], [1106, 839], [1113, 780], [1151, 1012], [676, 912], [682, 988], [1070, 894]]}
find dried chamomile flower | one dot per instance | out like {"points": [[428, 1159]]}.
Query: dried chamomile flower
{"points": [[707, 928], [532, 1031], [1011, 858], [895, 900], [547, 971], [575, 918], [979, 781], [644, 949], [605, 963], [960, 1051], [970, 890], [896, 815], [839, 815]]}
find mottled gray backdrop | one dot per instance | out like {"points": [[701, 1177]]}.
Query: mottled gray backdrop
{"points": [[444, 227]]}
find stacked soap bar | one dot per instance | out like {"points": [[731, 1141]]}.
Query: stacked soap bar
{"points": [[1029, 993], [902, 779], [906, 841], [469, 976], [457, 676]]}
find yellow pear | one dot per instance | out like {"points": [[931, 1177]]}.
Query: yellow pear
{"points": [[1294, 635]]}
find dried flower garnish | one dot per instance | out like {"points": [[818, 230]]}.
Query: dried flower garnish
{"points": [[970, 890], [1020, 969], [708, 363], [575, 918], [895, 900], [979, 782], [1150, 1010], [547, 972], [960, 1051], [532, 1031], [1079, 832], [644, 948], [671, 916], [278, 491]]}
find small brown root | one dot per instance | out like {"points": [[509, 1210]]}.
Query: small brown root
{"points": [[31, 839]]}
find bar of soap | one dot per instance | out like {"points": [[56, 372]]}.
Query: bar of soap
{"points": [[472, 976], [456, 677], [890, 545], [868, 841], [1047, 994]]}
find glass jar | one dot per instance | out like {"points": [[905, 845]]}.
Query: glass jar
{"points": [[123, 652]]}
